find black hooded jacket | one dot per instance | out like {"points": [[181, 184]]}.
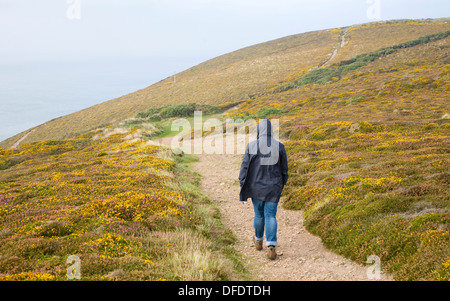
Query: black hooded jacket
{"points": [[264, 169]]}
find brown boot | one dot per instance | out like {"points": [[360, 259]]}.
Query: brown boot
{"points": [[258, 244], [271, 253]]}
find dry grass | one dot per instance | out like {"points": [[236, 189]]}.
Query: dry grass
{"points": [[370, 37], [226, 78]]}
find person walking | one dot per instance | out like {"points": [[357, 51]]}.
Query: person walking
{"points": [[262, 177]]}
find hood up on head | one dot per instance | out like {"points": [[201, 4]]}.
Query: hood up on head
{"points": [[264, 128]]}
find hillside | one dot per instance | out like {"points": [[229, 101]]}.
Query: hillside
{"points": [[367, 135], [368, 155], [235, 76], [127, 210]]}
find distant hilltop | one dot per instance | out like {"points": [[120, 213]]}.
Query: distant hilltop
{"points": [[238, 75]]}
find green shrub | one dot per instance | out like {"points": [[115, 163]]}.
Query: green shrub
{"points": [[4, 164], [319, 76], [177, 110], [180, 110], [267, 112]]}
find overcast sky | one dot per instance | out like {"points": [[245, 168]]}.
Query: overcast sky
{"points": [[81, 29]]}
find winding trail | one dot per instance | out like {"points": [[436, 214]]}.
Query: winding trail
{"points": [[17, 143], [302, 256], [341, 44]]}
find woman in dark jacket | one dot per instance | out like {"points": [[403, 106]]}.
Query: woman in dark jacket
{"points": [[263, 174]]}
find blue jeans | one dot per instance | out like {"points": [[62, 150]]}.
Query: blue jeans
{"points": [[265, 217]]}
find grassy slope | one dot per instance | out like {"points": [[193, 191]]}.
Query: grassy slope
{"points": [[129, 210], [227, 78], [234, 76], [369, 162], [372, 36]]}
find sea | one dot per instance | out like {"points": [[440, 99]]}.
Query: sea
{"points": [[32, 93]]}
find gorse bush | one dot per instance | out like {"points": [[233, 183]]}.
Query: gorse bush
{"points": [[368, 162], [118, 205], [370, 199], [368, 156]]}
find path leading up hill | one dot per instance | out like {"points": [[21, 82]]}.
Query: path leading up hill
{"points": [[338, 47], [17, 143], [302, 256]]}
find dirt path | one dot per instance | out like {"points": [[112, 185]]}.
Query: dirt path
{"points": [[16, 144], [302, 256], [341, 44]]}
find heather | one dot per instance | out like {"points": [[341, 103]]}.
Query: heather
{"points": [[118, 204], [368, 155]]}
